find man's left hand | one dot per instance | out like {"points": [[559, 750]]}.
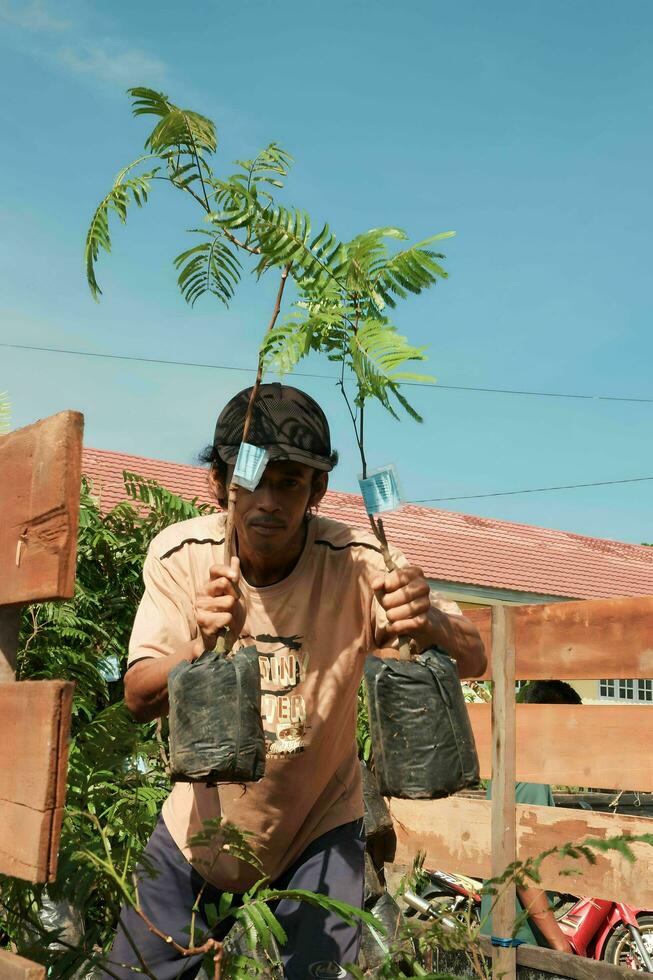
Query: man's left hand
{"points": [[405, 596]]}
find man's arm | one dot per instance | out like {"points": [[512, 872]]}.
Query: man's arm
{"points": [[146, 682], [218, 607], [540, 913], [406, 597]]}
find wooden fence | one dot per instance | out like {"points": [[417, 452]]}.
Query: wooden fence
{"points": [[40, 475], [588, 745]]}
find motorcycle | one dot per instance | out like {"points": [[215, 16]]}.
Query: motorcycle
{"points": [[612, 932]]}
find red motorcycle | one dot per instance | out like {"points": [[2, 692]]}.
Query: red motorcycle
{"points": [[598, 929]]}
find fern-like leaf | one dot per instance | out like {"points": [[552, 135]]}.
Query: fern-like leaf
{"points": [[366, 255], [177, 128], [284, 236], [377, 357], [315, 326], [410, 271], [270, 166], [210, 267], [125, 189]]}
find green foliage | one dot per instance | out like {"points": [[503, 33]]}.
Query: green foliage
{"points": [[377, 355], [178, 130], [125, 189], [210, 267], [342, 288]]}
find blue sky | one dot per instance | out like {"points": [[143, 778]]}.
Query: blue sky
{"points": [[524, 126]]}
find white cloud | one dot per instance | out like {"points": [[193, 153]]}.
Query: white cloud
{"points": [[32, 15], [109, 60], [110, 63]]}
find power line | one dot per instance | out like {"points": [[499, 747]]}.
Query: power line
{"points": [[417, 384], [329, 377], [508, 493]]}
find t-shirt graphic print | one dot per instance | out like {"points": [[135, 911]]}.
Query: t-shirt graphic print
{"points": [[283, 664]]}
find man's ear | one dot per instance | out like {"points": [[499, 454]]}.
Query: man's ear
{"points": [[218, 488], [318, 488]]}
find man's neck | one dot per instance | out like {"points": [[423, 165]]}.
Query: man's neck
{"points": [[261, 570]]}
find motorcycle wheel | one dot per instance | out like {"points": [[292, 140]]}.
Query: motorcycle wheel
{"points": [[619, 949]]}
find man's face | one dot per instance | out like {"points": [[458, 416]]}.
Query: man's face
{"points": [[270, 519]]}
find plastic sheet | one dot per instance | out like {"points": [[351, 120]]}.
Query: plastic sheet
{"points": [[216, 732], [375, 946], [421, 734], [61, 916]]}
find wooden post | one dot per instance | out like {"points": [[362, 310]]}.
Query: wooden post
{"points": [[503, 786]]}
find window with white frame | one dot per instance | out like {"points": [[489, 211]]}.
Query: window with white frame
{"points": [[634, 692]]}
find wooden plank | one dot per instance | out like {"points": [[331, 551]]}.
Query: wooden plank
{"points": [[562, 964], [14, 967], [583, 640], [604, 746], [40, 467], [503, 842], [482, 620], [455, 835], [34, 734]]}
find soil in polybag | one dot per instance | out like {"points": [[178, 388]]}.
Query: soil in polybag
{"points": [[216, 732], [421, 734]]}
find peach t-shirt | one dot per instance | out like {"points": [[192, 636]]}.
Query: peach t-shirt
{"points": [[312, 630]]}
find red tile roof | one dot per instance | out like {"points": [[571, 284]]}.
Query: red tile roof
{"points": [[451, 547]]}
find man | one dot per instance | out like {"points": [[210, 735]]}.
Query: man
{"points": [[314, 597], [537, 923]]}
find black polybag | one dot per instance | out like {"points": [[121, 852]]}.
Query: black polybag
{"points": [[216, 731], [380, 836], [422, 738]]}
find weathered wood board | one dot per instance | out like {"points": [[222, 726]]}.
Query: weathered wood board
{"points": [[602, 746], [562, 964], [583, 640], [34, 733], [455, 834], [13, 967], [40, 469]]}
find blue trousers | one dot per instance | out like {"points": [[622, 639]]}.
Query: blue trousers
{"points": [[318, 945]]}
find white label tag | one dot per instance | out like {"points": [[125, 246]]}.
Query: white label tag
{"points": [[250, 465], [381, 491]]}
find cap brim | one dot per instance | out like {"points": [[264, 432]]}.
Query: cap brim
{"points": [[229, 454]]}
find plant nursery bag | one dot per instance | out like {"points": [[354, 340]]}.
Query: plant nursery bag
{"points": [[422, 738], [216, 731]]}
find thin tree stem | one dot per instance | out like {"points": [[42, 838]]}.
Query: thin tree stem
{"points": [[237, 241], [361, 438], [198, 165], [206, 947], [233, 487]]}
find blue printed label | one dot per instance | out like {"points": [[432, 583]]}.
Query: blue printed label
{"points": [[381, 491], [250, 465]]}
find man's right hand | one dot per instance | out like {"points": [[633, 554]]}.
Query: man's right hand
{"points": [[219, 604]]}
